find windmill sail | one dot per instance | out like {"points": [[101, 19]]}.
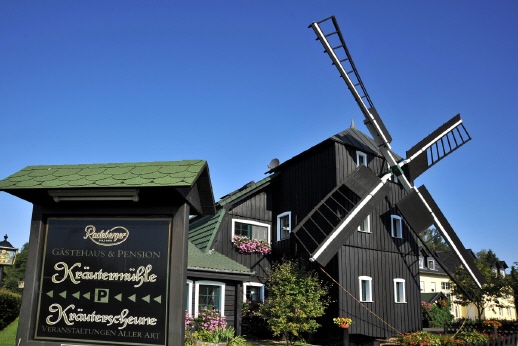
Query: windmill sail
{"points": [[334, 45], [420, 211], [436, 146], [324, 230]]}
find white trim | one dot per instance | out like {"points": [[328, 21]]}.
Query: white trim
{"points": [[209, 283], [288, 214], [360, 206], [251, 223], [253, 284], [367, 222], [189, 296], [362, 155], [368, 279], [431, 260], [402, 281], [396, 233]]}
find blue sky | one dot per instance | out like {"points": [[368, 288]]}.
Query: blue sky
{"points": [[238, 83]]}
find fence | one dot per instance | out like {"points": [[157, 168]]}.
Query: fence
{"points": [[506, 335]]}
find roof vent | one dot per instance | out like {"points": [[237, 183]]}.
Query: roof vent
{"points": [[274, 163]]}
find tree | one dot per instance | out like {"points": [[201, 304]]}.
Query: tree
{"points": [[494, 292], [513, 283], [15, 273], [434, 239], [296, 297]]}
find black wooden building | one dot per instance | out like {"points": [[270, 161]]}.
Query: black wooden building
{"points": [[374, 271]]}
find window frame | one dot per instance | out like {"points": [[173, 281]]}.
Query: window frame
{"points": [[421, 286], [432, 261], [253, 284], [421, 262], [188, 294], [445, 286], [433, 287], [362, 155], [393, 233], [369, 297], [221, 285], [397, 282], [368, 222], [279, 217], [256, 223]]}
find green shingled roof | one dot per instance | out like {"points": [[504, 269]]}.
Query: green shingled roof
{"points": [[203, 231], [141, 174], [213, 261]]}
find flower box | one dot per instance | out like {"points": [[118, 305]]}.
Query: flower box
{"points": [[247, 245]]}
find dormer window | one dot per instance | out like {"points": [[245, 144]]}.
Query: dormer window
{"points": [[431, 264], [361, 158], [421, 262]]}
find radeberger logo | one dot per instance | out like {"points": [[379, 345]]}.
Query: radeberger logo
{"points": [[107, 237]]}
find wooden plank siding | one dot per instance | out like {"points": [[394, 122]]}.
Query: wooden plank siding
{"points": [[386, 317], [253, 208]]}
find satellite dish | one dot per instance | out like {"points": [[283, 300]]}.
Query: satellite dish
{"points": [[274, 163]]}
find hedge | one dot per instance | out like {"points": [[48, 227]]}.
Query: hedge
{"points": [[9, 307]]}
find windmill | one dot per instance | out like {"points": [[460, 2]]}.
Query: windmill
{"points": [[418, 207]]}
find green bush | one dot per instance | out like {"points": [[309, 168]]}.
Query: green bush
{"points": [[9, 307], [429, 339], [472, 337], [225, 335], [437, 314], [418, 338], [296, 298]]}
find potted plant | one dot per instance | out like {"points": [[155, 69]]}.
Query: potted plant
{"points": [[342, 322]]}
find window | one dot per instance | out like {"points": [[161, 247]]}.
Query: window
{"points": [[500, 311], [445, 286], [431, 264], [421, 286], [421, 262], [253, 292], [365, 226], [251, 229], [365, 288], [393, 177], [361, 158], [399, 291], [432, 286], [209, 294], [396, 226], [284, 225], [188, 297]]}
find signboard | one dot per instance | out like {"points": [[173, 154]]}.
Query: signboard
{"points": [[105, 281]]}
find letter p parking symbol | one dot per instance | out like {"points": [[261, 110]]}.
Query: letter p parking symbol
{"points": [[102, 295]]}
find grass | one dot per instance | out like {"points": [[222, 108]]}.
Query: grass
{"points": [[8, 334]]}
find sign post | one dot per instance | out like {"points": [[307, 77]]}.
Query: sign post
{"points": [[107, 258]]}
